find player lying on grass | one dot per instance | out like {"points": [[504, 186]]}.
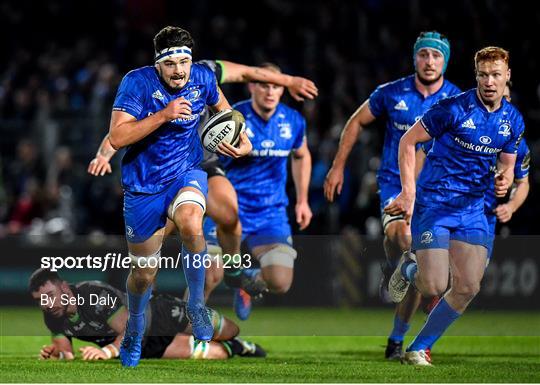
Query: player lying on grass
{"points": [[94, 311], [222, 205]]}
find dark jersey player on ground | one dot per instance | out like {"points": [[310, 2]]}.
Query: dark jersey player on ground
{"points": [[167, 333]]}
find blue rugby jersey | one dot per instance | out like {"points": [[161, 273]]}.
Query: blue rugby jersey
{"points": [[260, 178], [456, 172], [151, 164], [521, 170], [402, 105]]}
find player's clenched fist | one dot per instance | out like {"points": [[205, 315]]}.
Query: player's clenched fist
{"points": [[502, 184], [177, 109], [402, 205]]}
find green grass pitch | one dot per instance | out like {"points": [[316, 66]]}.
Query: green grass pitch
{"points": [[303, 345]]}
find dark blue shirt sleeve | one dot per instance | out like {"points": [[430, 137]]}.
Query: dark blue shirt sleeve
{"points": [[426, 146], [523, 162], [212, 97], [437, 120], [130, 95], [512, 145], [377, 102]]}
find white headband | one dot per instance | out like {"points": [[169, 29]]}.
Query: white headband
{"points": [[171, 52]]}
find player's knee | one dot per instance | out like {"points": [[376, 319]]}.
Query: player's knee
{"points": [[433, 288], [189, 220], [397, 234], [142, 278], [279, 285], [466, 290], [213, 277], [228, 219]]}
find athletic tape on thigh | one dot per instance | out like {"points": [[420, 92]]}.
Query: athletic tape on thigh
{"points": [[186, 197], [282, 255], [199, 352], [387, 219], [138, 261]]}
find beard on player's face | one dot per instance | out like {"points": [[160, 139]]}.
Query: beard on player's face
{"points": [[428, 80], [174, 76]]}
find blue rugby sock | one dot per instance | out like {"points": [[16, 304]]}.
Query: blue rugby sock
{"points": [[408, 270], [440, 318], [400, 328], [194, 272], [136, 306]]}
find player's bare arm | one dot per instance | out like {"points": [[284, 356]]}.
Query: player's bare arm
{"points": [[505, 173], [117, 322], [301, 173], [518, 196], [419, 162], [60, 348], [404, 202], [334, 179], [100, 165], [299, 88], [125, 129]]}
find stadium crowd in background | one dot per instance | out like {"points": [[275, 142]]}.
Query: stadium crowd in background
{"points": [[58, 84]]}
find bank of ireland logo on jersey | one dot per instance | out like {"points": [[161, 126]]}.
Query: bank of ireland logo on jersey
{"points": [[129, 231], [426, 237], [485, 140], [268, 143]]}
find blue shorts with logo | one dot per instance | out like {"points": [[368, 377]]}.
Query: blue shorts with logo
{"points": [[144, 214], [434, 227], [387, 193], [266, 226]]}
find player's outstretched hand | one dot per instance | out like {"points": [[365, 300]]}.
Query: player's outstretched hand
{"points": [[303, 215], [244, 147], [177, 109], [502, 183], [333, 182], [503, 212], [50, 352], [92, 353], [99, 166], [302, 88], [402, 205]]}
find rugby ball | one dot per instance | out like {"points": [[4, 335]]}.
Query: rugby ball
{"points": [[225, 126]]}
